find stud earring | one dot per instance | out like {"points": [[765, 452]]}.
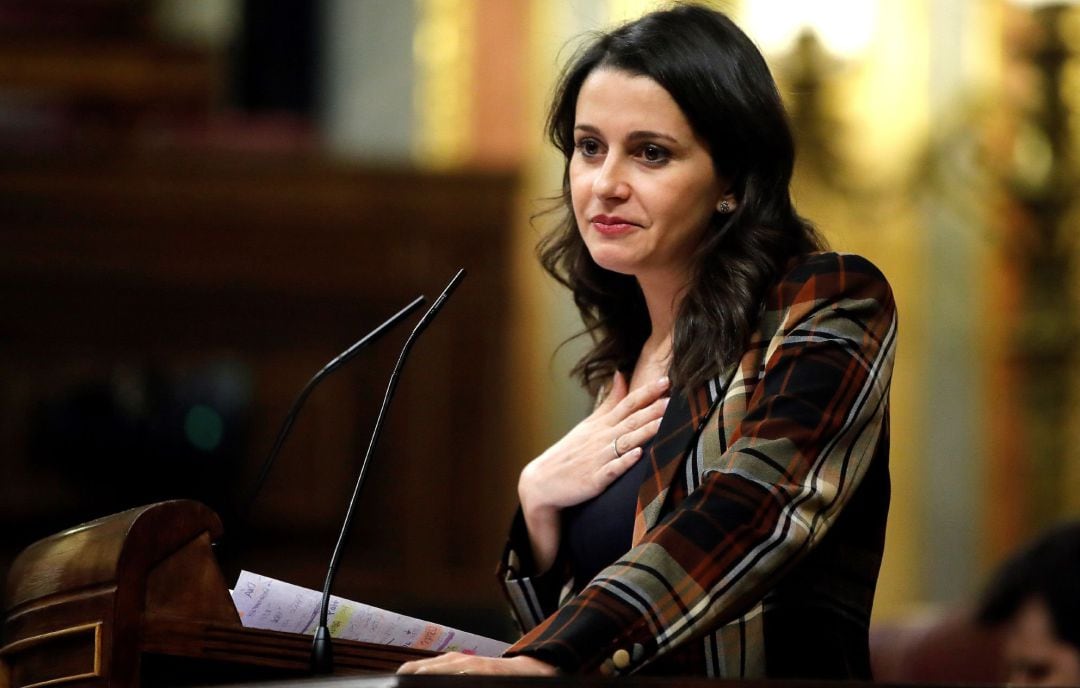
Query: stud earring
{"points": [[724, 208]]}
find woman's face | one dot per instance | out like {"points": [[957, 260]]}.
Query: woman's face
{"points": [[642, 183]]}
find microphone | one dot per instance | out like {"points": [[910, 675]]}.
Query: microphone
{"points": [[340, 360], [322, 650]]}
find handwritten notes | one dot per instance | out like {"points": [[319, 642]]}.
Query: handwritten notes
{"points": [[278, 606]]}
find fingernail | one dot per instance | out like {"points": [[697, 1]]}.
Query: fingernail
{"points": [[663, 382]]}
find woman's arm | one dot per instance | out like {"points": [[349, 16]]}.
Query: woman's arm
{"points": [[803, 446], [586, 460], [577, 468], [530, 572], [459, 663]]}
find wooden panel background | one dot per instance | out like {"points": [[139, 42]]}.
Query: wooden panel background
{"points": [[143, 265]]}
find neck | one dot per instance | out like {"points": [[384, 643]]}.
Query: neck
{"points": [[662, 299]]}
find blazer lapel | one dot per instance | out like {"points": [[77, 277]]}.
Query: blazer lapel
{"points": [[686, 414]]}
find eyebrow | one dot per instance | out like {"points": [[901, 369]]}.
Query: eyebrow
{"points": [[634, 135]]}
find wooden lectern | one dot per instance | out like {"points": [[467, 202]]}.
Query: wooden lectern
{"points": [[138, 598]]}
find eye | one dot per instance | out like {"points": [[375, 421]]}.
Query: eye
{"points": [[655, 154], [588, 147]]}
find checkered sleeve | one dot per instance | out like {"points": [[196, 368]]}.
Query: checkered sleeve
{"points": [[813, 418], [532, 595]]}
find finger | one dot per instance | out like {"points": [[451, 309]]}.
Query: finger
{"points": [[642, 417], [616, 393], [429, 665], [610, 471], [462, 664], [640, 398], [637, 438], [409, 667]]}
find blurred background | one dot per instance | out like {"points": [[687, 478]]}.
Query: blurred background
{"points": [[203, 201]]}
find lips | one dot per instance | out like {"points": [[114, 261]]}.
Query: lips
{"points": [[612, 225]]}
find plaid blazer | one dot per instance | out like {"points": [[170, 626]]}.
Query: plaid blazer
{"points": [[760, 525]]}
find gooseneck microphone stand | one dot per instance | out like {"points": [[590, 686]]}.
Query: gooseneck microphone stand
{"points": [[322, 650]]}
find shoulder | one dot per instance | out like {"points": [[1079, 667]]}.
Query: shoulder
{"points": [[831, 290], [827, 276]]}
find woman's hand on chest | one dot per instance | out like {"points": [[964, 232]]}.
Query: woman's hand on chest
{"points": [[593, 454]]}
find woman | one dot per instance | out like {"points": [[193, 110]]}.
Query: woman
{"points": [[722, 510]]}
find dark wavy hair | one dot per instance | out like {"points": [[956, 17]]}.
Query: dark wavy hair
{"points": [[723, 86]]}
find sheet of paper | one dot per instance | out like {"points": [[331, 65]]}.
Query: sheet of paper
{"points": [[278, 606]]}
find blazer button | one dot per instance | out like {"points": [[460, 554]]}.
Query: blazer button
{"points": [[607, 668], [621, 659]]}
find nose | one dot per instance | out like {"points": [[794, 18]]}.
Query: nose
{"points": [[610, 181]]}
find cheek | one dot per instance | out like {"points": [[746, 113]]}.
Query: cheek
{"points": [[709, 193], [689, 206], [580, 189]]}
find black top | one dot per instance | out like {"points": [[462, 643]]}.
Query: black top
{"points": [[597, 532]]}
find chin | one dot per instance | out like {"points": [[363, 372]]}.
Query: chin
{"points": [[610, 260]]}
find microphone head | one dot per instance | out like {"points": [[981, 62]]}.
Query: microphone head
{"points": [[454, 282], [437, 306]]}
